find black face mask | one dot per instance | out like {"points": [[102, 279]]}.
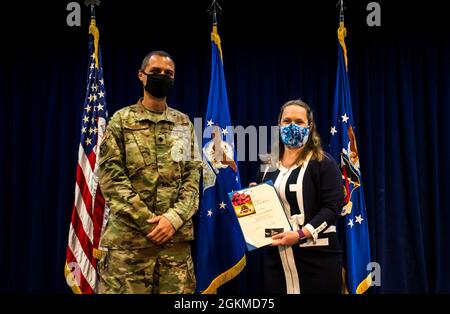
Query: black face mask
{"points": [[158, 85]]}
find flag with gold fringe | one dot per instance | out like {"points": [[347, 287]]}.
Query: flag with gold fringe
{"points": [[89, 209], [220, 245], [343, 146]]}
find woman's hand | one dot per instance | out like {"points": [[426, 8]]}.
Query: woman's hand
{"points": [[285, 238], [252, 184]]}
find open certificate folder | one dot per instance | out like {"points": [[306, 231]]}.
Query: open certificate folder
{"points": [[260, 214]]}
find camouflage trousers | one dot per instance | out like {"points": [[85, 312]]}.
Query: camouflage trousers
{"points": [[166, 269]]}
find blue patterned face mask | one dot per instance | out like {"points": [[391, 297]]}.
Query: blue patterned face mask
{"points": [[293, 135]]}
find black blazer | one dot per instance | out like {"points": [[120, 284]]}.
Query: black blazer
{"points": [[323, 194]]}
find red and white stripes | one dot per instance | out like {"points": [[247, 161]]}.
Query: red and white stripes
{"points": [[88, 219]]}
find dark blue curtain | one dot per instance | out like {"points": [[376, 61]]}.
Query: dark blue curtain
{"points": [[400, 84]]}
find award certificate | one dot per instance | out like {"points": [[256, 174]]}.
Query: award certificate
{"points": [[260, 214]]}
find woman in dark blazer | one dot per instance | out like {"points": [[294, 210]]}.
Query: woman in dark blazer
{"points": [[308, 182]]}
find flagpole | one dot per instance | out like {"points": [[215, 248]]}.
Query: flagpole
{"points": [[220, 256], [356, 277], [92, 4], [342, 31], [93, 30], [82, 256], [214, 10], [341, 11]]}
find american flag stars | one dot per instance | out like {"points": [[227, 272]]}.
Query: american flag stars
{"points": [[89, 208], [94, 108]]}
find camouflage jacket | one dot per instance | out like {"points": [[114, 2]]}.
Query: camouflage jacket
{"points": [[148, 167]]}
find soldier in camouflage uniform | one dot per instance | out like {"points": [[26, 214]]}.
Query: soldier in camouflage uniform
{"points": [[149, 173]]}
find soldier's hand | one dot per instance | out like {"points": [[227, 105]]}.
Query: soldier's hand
{"points": [[162, 232]]}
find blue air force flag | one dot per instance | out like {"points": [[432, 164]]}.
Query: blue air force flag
{"points": [[220, 245], [343, 147]]}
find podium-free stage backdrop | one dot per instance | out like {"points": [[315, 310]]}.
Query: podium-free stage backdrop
{"points": [[400, 84]]}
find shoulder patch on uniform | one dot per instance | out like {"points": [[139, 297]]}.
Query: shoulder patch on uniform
{"points": [[104, 145]]}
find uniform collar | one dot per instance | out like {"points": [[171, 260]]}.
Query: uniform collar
{"points": [[143, 114]]}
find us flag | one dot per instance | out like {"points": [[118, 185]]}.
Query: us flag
{"points": [[89, 211]]}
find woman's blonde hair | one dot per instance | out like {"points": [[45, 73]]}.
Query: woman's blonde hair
{"points": [[313, 145]]}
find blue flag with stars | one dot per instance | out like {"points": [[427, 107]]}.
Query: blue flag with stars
{"points": [[343, 146], [220, 245]]}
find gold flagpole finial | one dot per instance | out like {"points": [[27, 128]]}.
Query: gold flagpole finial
{"points": [[214, 10], [342, 31], [93, 30]]}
